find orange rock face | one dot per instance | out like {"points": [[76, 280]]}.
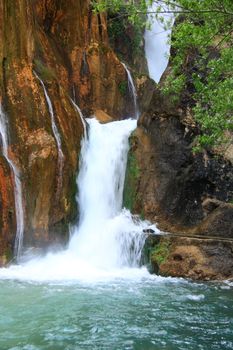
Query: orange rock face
{"points": [[67, 46], [7, 220]]}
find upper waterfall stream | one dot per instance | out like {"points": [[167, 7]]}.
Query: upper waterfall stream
{"points": [[132, 90], [157, 45]]}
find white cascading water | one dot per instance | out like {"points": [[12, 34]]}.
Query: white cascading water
{"points": [[106, 236], [56, 134], [156, 42], [132, 90], [107, 242], [17, 186], [81, 117]]}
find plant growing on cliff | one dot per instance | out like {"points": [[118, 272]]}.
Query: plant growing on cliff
{"points": [[131, 178], [125, 35], [160, 252], [201, 61], [123, 86]]}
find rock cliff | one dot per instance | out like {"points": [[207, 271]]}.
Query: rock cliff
{"points": [[66, 45], [57, 50], [187, 194]]}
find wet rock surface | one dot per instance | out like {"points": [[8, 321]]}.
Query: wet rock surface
{"points": [[191, 257], [187, 194]]}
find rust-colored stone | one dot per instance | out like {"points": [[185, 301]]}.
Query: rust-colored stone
{"points": [[67, 45]]}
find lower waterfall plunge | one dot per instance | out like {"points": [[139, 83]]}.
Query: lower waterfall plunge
{"points": [[107, 241]]}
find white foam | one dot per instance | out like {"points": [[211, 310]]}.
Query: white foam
{"points": [[195, 297]]}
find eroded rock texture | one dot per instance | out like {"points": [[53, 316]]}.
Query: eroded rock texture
{"points": [[67, 46]]}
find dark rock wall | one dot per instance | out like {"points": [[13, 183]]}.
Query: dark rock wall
{"points": [[187, 194], [173, 183]]}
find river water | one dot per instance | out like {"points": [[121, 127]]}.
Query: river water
{"points": [[94, 295], [135, 313]]}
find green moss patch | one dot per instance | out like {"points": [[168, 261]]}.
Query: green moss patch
{"points": [[130, 196], [160, 252], [123, 87]]}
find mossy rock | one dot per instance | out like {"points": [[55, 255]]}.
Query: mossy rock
{"points": [[44, 72], [155, 252], [123, 87], [160, 252], [7, 257], [151, 241], [130, 195]]}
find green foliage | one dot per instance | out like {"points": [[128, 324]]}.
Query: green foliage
{"points": [[124, 31], [131, 10], [204, 38], [202, 64], [123, 87], [160, 252], [214, 99], [116, 29]]}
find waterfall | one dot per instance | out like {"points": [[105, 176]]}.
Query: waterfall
{"points": [[156, 43], [105, 235], [107, 241], [17, 186], [132, 90], [56, 134], [81, 116]]}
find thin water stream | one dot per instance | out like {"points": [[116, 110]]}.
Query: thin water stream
{"points": [[81, 117], [17, 185], [56, 134], [132, 90]]}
